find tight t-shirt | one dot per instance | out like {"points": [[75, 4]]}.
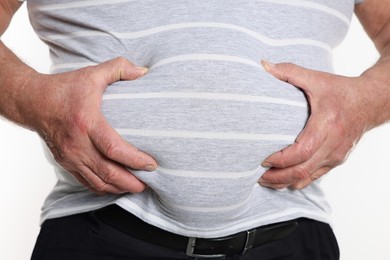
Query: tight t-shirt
{"points": [[206, 110]]}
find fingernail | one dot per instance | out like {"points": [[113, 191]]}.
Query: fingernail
{"points": [[143, 70], [264, 183], [266, 164], [150, 167], [267, 65]]}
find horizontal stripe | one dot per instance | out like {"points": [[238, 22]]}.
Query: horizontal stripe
{"points": [[208, 174], [296, 3], [205, 96], [81, 4], [311, 5], [211, 208], [206, 57], [159, 29], [205, 135], [179, 58]]}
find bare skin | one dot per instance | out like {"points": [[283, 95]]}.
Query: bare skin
{"points": [[64, 109], [342, 108]]}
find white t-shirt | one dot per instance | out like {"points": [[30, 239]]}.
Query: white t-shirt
{"points": [[206, 110]]}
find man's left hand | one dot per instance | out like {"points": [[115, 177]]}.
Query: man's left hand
{"points": [[339, 115]]}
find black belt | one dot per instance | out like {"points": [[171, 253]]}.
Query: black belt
{"points": [[239, 243]]}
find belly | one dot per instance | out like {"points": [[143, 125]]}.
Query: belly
{"points": [[208, 129]]}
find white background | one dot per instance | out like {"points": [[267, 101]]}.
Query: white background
{"points": [[358, 191]]}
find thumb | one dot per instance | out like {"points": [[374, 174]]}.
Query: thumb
{"points": [[291, 73], [119, 69]]}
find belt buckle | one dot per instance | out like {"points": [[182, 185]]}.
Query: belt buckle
{"points": [[191, 249], [250, 239]]}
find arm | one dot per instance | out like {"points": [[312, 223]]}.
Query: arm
{"points": [[374, 15], [64, 109], [7, 10], [342, 108]]}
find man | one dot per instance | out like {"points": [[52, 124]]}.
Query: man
{"points": [[319, 152]]}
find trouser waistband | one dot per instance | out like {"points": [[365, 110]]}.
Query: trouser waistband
{"points": [[238, 243]]}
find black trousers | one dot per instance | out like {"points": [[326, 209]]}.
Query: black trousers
{"points": [[84, 237]]}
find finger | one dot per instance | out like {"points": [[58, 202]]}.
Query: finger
{"points": [[269, 182], [98, 173], [85, 182], [308, 141], [298, 76], [118, 69], [292, 174], [306, 145], [299, 185], [109, 176], [117, 176], [275, 186], [111, 145], [275, 177], [96, 184]]}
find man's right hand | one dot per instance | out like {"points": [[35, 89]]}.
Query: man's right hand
{"points": [[64, 109]]}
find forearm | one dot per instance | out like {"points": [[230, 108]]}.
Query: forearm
{"points": [[7, 10], [14, 77], [377, 79], [14, 74], [374, 16]]}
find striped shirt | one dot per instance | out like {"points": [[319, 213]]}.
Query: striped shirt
{"points": [[206, 110]]}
